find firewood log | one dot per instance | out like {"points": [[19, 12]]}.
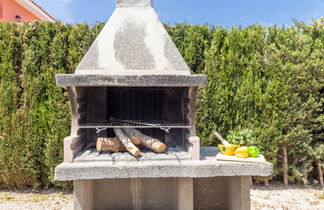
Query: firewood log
{"points": [[134, 139], [130, 147], [110, 144], [148, 141]]}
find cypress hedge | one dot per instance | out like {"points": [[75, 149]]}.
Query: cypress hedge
{"points": [[264, 83]]}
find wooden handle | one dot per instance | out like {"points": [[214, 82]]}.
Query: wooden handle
{"points": [[222, 140]]}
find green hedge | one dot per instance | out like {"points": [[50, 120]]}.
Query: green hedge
{"points": [[265, 79]]}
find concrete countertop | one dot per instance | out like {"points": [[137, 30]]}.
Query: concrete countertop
{"points": [[208, 166]]}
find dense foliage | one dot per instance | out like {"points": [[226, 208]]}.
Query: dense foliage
{"points": [[265, 87]]}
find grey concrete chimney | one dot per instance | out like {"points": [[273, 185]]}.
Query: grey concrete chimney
{"points": [[133, 43], [134, 3]]}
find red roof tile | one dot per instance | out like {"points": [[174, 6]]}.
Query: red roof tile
{"points": [[43, 10]]}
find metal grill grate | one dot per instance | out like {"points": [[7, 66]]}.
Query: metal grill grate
{"points": [[134, 124]]}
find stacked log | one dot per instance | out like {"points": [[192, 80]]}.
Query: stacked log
{"points": [[110, 144], [129, 139], [148, 141], [130, 147]]}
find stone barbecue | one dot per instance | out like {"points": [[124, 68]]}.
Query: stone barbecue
{"points": [[133, 78]]}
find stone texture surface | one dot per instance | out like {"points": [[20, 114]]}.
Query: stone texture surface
{"points": [[65, 80], [83, 195], [133, 41], [191, 109], [231, 193], [73, 94], [164, 193], [134, 3], [138, 54], [195, 147], [146, 155], [208, 166], [185, 193], [239, 193], [133, 49], [72, 145]]}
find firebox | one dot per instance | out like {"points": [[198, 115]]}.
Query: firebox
{"points": [[165, 113]]}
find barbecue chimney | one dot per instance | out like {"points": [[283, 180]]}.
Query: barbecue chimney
{"points": [[133, 49], [133, 73]]}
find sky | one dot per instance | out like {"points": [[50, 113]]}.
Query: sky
{"points": [[216, 12]]}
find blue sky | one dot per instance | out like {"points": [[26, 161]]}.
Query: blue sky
{"points": [[217, 12]]}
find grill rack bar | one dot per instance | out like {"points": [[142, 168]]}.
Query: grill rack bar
{"points": [[162, 124]]}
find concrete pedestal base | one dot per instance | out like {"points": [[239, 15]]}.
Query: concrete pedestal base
{"points": [[192, 184], [222, 193], [163, 193]]}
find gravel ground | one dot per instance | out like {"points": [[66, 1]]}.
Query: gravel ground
{"points": [[286, 197], [262, 197], [52, 199]]}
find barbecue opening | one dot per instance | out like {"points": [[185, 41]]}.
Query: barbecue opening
{"points": [[157, 112]]}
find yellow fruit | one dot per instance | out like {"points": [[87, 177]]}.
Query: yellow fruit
{"points": [[242, 155], [242, 152], [228, 150]]}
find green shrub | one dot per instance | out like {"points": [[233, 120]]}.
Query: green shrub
{"points": [[265, 79], [242, 137]]}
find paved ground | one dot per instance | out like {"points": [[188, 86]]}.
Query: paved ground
{"points": [[262, 197]]}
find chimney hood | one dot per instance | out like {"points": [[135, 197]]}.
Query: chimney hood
{"points": [[133, 49]]}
